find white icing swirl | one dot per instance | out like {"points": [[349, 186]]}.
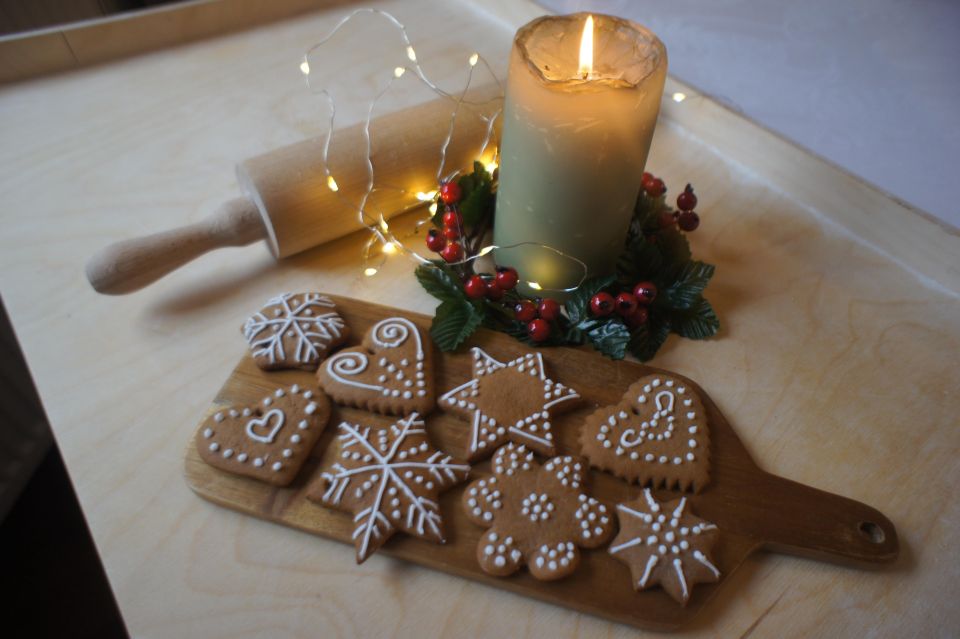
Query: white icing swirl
{"points": [[349, 363], [393, 332]]}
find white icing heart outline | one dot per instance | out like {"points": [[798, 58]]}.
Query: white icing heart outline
{"points": [[386, 334], [263, 421]]}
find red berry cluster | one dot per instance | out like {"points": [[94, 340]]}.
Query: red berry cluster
{"points": [[537, 316], [445, 241], [685, 218], [493, 289], [632, 307]]}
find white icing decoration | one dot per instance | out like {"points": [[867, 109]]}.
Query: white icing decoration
{"points": [[389, 474], [305, 320], [532, 428], [659, 537], [275, 415]]}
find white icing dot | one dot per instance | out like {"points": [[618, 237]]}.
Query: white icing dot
{"points": [[287, 453], [218, 418], [242, 457], [302, 425], [208, 432], [258, 462], [228, 453], [214, 446], [277, 466]]}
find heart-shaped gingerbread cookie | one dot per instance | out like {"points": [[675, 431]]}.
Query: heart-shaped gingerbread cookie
{"points": [[656, 435], [268, 441], [390, 373]]}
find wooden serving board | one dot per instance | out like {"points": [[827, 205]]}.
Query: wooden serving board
{"points": [[752, 508]]}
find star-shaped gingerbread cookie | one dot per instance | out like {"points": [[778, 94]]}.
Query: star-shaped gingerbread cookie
{"points": [[666, 544], [511, 401]]}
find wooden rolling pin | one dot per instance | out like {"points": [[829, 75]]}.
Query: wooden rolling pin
{"points": [[287, 199]]}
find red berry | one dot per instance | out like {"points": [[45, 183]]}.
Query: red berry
{"points": [[646, 179], [666, 219], [435, 241], [637, 317], [451, 232], [538, 330], [494, 290], [601, 304], [687, 201], [689, 221], [645, 292], [626, 303], [655, 188], [549, 309], [450, 193], [452, 218], [475, 288], [525, 310], [452, 252], [507, 277]]}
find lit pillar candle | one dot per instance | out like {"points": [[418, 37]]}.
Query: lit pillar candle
{"points": [[581, 104]]}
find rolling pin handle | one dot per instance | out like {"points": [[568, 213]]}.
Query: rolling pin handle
{"points": [[130, 265]]}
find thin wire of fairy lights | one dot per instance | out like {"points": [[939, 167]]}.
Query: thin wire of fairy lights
{"points": [[380, 233]]}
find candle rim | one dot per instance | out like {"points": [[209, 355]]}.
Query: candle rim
{"points": [[594, 83]]}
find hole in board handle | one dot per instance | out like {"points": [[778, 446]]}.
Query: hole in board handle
{"points": [[872, 532]]}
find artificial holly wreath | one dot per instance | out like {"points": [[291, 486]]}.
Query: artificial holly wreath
{"points": [[657, 290]]}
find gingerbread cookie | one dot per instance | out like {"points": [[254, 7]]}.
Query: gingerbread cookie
{"points": [[537, 515], [657, 434], [511, 401], [666, 544], [294, 330], [269, 441], [389, 479], [390, 373]]}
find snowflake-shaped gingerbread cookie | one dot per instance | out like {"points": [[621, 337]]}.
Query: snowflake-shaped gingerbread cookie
{"points": [[389, 478], [511, 401], [666, 544], [537, 515], [294, 330]]}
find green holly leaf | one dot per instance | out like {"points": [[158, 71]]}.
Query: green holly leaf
{"points": [[610, 337], [647, 339], [692, 278], [640, 261], [674, 247], [440, 282], [578, 306], [477, 200], [699, 321], [454, 322]]}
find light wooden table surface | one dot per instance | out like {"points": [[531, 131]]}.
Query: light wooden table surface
{"points": [[837, 364]]}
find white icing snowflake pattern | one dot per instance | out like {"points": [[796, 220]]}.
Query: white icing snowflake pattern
{"points": [[526, 420], [665, 544], [390, 479], [294, 331]]}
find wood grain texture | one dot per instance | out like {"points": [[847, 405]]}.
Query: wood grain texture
{"points": [[837, 360], [752, 508]]}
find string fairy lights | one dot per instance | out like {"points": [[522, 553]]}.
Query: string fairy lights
{"points": [[383, 242]]}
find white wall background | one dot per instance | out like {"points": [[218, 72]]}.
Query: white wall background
{"points": [[872, 85]]}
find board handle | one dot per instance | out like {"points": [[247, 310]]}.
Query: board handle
{"points": [[132, 264], [801, 520]]}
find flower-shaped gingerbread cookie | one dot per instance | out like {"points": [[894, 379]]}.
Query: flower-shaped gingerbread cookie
{"points": [[537, 515], [389, 374], [665, 544], [656, 435], [294, 330]]}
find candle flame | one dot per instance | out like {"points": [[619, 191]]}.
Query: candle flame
{"points": [[586, 50]]}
